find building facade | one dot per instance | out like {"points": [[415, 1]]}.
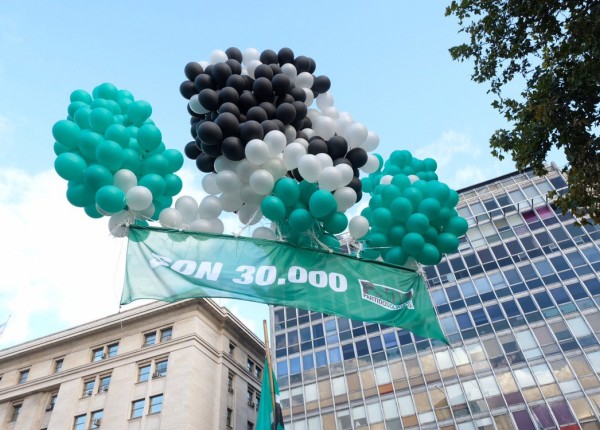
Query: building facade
{"points": [[519, 304], [186, 365]]}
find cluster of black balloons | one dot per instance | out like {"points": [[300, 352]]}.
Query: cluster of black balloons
{"points": [[229, 108]]}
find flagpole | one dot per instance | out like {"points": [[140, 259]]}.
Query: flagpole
{"points": [[270, 370]]}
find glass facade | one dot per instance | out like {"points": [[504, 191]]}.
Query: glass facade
{"points": [[518, 303]]}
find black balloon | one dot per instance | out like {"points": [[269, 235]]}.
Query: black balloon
{"points": [[250, 130], [211, 150], [234, 53], [192, 70], [228, 95], [281, 84], [268, 56], [191, 150], [355, 184], [257, 113], [269, 109], [235, 65], [301, 135], [192, 113], [248, 82], [317, 146], [275, 68], [263, 89], [286, 98], [231, 108], [342, 161], [337, 147], [297, 176], [237, 82], [321, 84], [285, 55], [302, 64], [263, 71], [301, 110], [233, 148], [247, 100], [220, 73], [203, 81], [298, 94], [205, 164], [209, 99], [306, 123], [228, 124], [312, 65], [358, 157], [280, 124], [269, 125], [286, 113], [210, 133], [187, 89]]}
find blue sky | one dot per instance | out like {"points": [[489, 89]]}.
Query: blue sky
{"points": [[388, 63]]}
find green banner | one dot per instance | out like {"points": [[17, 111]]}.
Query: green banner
{"points": [[170, 265]]}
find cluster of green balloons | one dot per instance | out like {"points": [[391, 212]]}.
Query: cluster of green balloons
{"points": [[411, 213], [113, 156]]}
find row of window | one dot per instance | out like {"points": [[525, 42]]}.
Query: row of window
{"points": [[138, 409], [229, 420]]}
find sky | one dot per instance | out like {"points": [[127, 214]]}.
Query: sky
{"points": [[388, 63]]}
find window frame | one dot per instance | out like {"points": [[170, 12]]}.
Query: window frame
{"points": [[23, 376], [152, 404], [141, 406]]}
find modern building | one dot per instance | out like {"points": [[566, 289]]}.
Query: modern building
{"points": [[187, 365], [519, 303]]}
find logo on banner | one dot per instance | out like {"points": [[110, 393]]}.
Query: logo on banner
{"points": [[386, 297]]}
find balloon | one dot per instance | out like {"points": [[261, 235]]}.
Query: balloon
{"points": [[309, 167], [170, 218], [372, 164], [80, 195], [324, 160], [447, 243], [139, 111], [245, 169], [228, 181], [287, 190], [110, 154], [371, 142], [275, 167], [389, 193], [457, 226], [273, 208], [66, 132], [209, 184], [358, 227], [382, 218], [96, 176], [430, 207], [231, 201], [395, 234], [417, 223], [413, 243], [202, 225], [330, 178], [345, 198], [156, 163], [149, 137], [138, 198], [336, 223], [300, 220], [322, 204], [263, 233], [187, 207], [88, 142], [210, 208], [155, 183], [110, 199], [100, 118], [249, 214], [413, 195], [173, 184], [261, 182], [429, 255], [70, 166], [304, 80], [401, 208], [276, 142], [257, 151], [356, 134], [396, 255], [347, 173], [174, 158], [119, 223]]}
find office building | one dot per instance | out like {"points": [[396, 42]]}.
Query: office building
{"points": [[181, 366], [519, 303]]}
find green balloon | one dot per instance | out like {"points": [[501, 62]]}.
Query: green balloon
{"points": [[401, 181], [155, 183], [417, 223], [322, 204], [273, 208], [59, 148], [124, 103], [300, 220], [414, 195], [429, 255], [149, 137], [367, 185], [80, 195], [442, 217], [81, 96], [413, 243], [110, 199], [306, 190], [400, 157], [174, 158], [370, 254], [382, 218], [430, 235], [447, 243], [139, 111], [392, 170], [396, 256], [155, 164], [429, 207], [367, 213], [417, 165], [376, 201], [74, 106], [452, 199], [67, 133], [401, 208], [173, 184], [89, 142], [389, 193], [105, 91], [132, 160], [124, 94], [114, 107], [395, 234], [70, 166], [331, 242], [376, 239], [92, 211], [457, 226], [110, 154], [117, 133], [287, 190], [97, 176], [100, 119], [408, 170], [437, 190], [82, 117], [336, 223], [430, 164]]}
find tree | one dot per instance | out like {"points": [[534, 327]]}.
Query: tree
{"points": [[552, 49]]}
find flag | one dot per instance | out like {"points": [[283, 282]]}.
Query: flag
{"points": [[170, 265], [266, 420], [3, 326]]}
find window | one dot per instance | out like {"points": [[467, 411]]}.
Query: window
{"points": [[250, 365], [58, 364], [229, 418], [112, 349], [250, 394], [166, 334], [149, 339], [156, 403], [257, 372], [250, 425], [79, 423], [103, 352], [104, 384], [96, 419], [160, 369], [137, 408], [98, 354], [16, 410], [88, 387], [230, 377], [23, 375], [144, 372], [52, 402], [231, 348]]}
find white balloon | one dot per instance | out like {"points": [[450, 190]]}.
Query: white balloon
{"points": [[103, 212], [228, 181], [257, 151], [309, 96], [170, 218], [124, 179], [263, 233], [248, 196], [305, 80], [196, 106], [146, 213], [324, 159], [209, 183], [324, 127], [118, 224], [313, 114], [188, 207], [276, 142], [249, 214], [290, 133], [343, 122], [358, 226], [138, 198], [371, 165], [217, 56], [201, 225], [231, 201], [262, 182], [347, 173], [217, 226], [244, 169], [324, 100], [249, 55], [275, 167], [204, 64], [356, 134], [309, 167], [210, 208], [331, 112], [224, 163], [371, 142], [292, 154], [290, 71], [413, 178], [251, 67], [302, 141], [309, 132], [330, 178], [345, 198], [386, 179]]}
